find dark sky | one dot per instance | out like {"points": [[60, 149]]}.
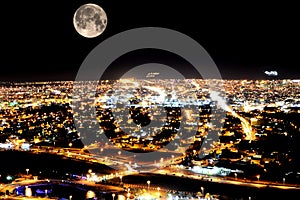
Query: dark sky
{"points": [[39, 42]]}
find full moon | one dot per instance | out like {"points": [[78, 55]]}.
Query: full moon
{"points": [[90, 20]]}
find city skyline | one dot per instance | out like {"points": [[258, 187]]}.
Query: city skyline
{"points": [[112, 153], [242, 42]]}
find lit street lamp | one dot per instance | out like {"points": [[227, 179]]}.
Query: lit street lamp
{"points": [[158, 194], [258, 176], [235, 174], [202, 191], [148, 182], [128, 195], [113, 196], [283, 180], [161, 160], [158, 189], [70, 197], [121, 179], [27, 170]]}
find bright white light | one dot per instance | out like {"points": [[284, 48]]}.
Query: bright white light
{"points": [[271, 73]]}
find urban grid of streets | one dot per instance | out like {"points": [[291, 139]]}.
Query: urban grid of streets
{"points": [[255, 111]]}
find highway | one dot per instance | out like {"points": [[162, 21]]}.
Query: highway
{"points": [[126, 169], [227, 180]]}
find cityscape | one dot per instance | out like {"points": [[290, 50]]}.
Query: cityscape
{"points": [[149, 100], [150, 139]]}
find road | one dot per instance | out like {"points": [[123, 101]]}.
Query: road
{"points": [[227, 180], [127, 169]]}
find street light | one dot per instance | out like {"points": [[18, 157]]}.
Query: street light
{"points": [[46, 192], [27, 170], [113, 196], [148, 182], [121, 177], [70, 197], [283, 180], [235, 174], [202, 191], [119, 152], [128, 195], [158, 189], [258, 176]]}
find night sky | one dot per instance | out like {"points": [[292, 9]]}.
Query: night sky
{"points": [[39, 42]]}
